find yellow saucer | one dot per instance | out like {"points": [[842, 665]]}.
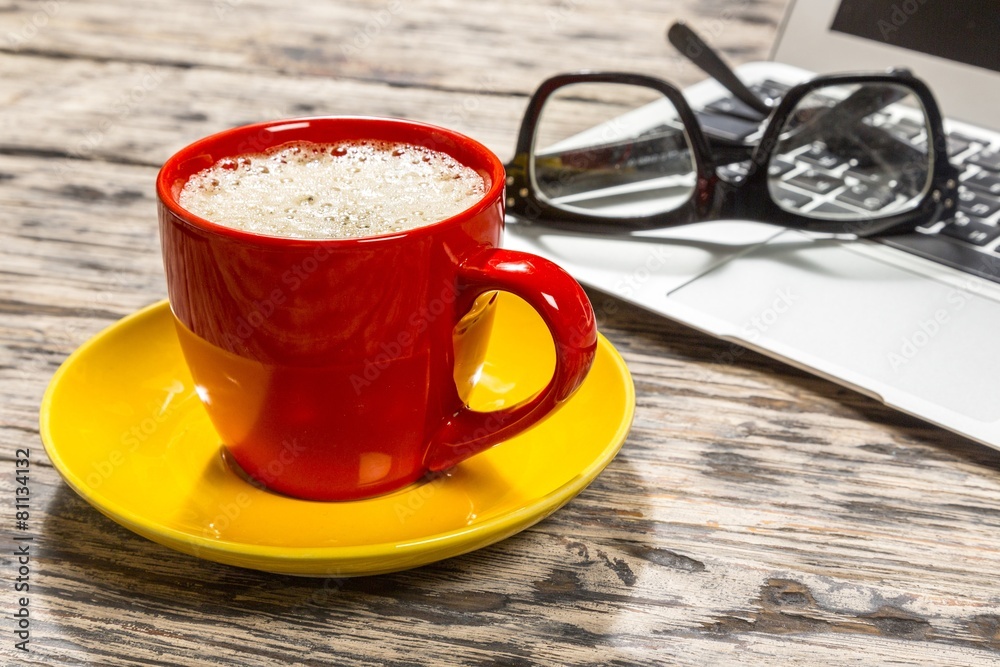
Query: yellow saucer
{"points": [[122, 424]]}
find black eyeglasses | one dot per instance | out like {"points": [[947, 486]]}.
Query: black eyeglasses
{"points": [[861, 154]]}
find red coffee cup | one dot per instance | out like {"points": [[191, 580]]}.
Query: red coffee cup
{"points": [[329, 367]]}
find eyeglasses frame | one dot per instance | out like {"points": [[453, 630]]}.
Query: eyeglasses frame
{"points": [[715, 198]]}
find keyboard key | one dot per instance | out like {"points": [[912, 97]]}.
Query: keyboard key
{"points": [[818, 155], [730, 106], [790, 199], [957, 144], [727, 128], [778, 167], [770, 90], [970, 230], [966, 138], [905, 127], [815, 181], [977, 204], [985, 159], [985, 181], [870, 175], [949, 252], [833, 207], [867, 196]]}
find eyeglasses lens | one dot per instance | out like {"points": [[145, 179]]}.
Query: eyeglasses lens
{"points": [[852, 152], [611, 150]]}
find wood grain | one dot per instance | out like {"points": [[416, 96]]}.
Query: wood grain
{"points": [[756, 515], [428, 43]]}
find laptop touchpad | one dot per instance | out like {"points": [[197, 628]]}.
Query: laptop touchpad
{"points": [[645, 265], [836, 309]]}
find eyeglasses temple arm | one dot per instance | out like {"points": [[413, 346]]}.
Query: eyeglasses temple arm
{"points": [[701, 54], [849, 113], [845, 120]]}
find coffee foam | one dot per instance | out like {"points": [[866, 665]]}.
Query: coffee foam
{"points": [[328, 191]]}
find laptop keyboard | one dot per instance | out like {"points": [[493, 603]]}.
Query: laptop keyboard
{"points": [[968, 241]]}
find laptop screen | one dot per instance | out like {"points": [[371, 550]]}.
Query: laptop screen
{"points": [[961, 30], [953, 45]]}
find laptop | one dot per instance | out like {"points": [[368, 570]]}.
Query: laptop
{"points": [[911, 320]]}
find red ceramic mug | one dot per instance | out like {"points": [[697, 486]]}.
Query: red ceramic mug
{"points": [[329, 367]]}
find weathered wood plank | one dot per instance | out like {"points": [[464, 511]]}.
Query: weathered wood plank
{"points": [[436, 43], [755, 515], [749, 502], [585, 594], [141, 114]]}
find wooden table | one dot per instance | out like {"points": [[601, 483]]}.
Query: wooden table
{"points": [[756, 514]]}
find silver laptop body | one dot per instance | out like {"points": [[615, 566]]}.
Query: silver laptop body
{"points": [[911, 321]]}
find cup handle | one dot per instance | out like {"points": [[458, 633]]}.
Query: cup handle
{"points": [[566, 311]]}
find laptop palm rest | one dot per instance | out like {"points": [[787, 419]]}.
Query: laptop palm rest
{"points": [[643, 266], [918, 344]]}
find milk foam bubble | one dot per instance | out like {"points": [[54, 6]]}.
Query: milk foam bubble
{"points": [[330, 191]]}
